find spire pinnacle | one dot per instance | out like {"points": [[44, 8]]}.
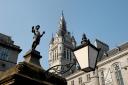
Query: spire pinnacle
{"points": [[62, 13], [52, 39], [62, 23], [84, 39]]}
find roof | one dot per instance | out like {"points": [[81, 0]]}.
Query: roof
{"points": [[8, 42], [115, 50]]}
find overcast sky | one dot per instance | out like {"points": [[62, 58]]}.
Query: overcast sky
{"points": [[106, 20]]}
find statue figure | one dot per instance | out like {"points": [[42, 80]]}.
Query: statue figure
{"points": [[37, 36]]}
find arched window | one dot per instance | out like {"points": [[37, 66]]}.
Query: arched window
{"points": [[118, 75]]}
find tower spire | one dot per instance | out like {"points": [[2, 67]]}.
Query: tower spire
{"points": [[62, 23], [52, 39], [62, 13]]}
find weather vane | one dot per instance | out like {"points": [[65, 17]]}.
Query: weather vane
{"points": [[37, 36]]}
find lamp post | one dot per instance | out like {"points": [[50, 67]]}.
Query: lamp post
{"points": [[86, 55]]}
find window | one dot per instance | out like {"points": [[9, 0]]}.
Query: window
{"points": [[64, 53], [4, 54], [70, 55], [60, 48], [57, 53], [3, 65], [67, 54], [53, 56], [118, 74], [72, 82], [88, 77], [102, 77], [80, 80], [50, 57]]}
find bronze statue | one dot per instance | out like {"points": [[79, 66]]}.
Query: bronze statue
{"points": [[37, 36]]}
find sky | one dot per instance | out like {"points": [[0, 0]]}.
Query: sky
{"points": [[106, 20]]}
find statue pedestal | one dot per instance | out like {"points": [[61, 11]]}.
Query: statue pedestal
{"points": [[33, 57], [30, 72]]}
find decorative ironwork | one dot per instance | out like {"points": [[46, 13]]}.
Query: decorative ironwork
{"points": [[57, 69]]}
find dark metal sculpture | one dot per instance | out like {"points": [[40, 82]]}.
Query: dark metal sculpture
{"points": [[37, 36]]}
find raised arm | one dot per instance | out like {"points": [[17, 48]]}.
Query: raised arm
{"points": [[42, 33]]}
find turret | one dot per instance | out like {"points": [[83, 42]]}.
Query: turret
{"points": [[73, 41]]}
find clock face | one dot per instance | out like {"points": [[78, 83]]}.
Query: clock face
{"points": [[4, 53]]}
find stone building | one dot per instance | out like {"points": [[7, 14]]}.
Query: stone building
{"points": [[111, 68], [61, 47], [8, 52]]}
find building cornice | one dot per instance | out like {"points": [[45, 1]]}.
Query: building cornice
{"points": [[11, 46], [75, 74]]}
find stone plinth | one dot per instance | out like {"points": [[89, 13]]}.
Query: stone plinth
{"points": [[28, 74], [33, 57]]}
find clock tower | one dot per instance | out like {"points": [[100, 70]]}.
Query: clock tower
{"points": [[8, 52], [61, 47]]}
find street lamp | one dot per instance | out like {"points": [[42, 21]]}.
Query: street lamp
{"points": [[86, 55]]}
